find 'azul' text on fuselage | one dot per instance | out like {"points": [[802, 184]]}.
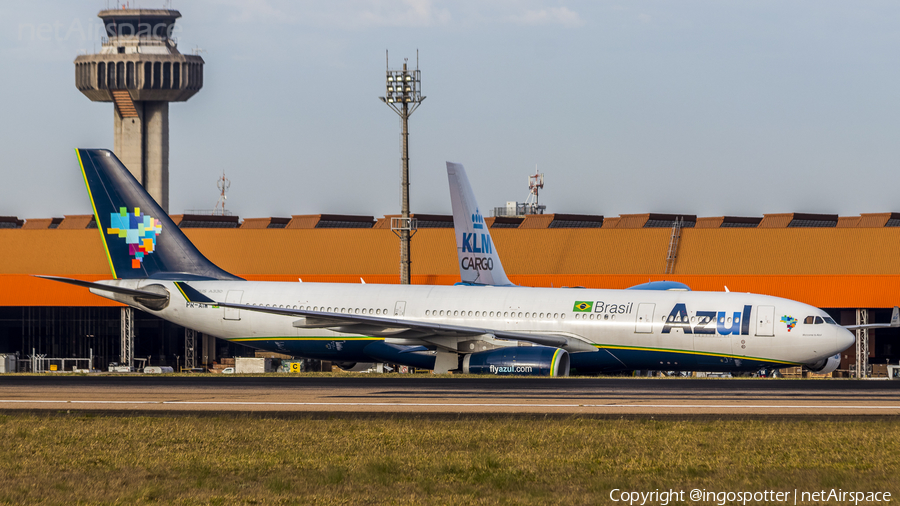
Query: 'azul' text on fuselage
{"points": [[709, 322]]}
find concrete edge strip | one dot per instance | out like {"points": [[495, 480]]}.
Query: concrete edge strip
{"points": [[487, 405]]}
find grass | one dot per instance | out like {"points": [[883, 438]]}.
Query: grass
{"points": [[316, 459]]}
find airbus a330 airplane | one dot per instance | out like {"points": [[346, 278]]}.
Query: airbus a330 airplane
{"points": [[475, 329]]}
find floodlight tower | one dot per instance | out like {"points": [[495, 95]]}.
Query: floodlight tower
{"points": [[140, 70], [404, 95]]}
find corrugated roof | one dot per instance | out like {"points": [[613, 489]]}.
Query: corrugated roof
{"points": [[612, 222], [39, 224], [848, 221], [63, 252], [506, 222], [632, 220], [710, 222], [536, 221], [255, 223], [830, 267], [873, 219], [779, 220], [76, 222], [303, 221]]}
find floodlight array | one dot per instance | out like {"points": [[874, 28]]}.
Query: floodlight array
{"points": [[403, 86]]}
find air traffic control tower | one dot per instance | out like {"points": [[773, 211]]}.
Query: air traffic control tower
{"points": [[140, 70]]}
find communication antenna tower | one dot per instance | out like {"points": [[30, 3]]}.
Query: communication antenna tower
{"points": [[535, 184], [223, 184]]}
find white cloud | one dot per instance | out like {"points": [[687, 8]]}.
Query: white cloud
{"points": [[338, 13], [405, 13], [361, 14], [551, 16], [247, 11]]}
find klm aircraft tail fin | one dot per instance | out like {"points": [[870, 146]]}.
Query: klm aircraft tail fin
{"points": [[139, 238], [479, 263]]}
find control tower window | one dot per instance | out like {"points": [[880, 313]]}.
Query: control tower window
{"points": [[148, 75], [121, 49], [101, 75], [156, 75], [130, 73], [120, 75], [167, 75]]}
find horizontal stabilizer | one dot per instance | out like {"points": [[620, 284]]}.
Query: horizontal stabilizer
{"points": [[107, 288]]}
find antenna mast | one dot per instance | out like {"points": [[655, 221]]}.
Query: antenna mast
{"points": [[223, 184], [535, 185]]}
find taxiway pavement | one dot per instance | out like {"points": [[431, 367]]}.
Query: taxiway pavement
{"points": [[423, 394]]}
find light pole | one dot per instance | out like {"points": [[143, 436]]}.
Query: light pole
{"points": [[404, 94]]}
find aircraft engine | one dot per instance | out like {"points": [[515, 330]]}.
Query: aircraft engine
{"points": [[825, 366], [519, 360]]}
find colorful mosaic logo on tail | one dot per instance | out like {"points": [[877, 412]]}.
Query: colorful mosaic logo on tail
{"points": [[790, 321], [139, 232]]}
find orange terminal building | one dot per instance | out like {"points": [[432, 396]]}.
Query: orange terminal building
{"points": [[841, 264]]}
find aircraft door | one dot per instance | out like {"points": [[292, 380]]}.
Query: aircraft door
{"points": [[400, 308], [644, 322], [234, 297], [765, 321]]}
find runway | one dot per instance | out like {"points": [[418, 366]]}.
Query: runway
{"points": [[417, 394]]}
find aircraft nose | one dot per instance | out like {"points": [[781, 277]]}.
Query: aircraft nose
{"points": [[844, 339]]}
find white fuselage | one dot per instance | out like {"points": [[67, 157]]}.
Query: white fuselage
{"points": [[653, 329]]}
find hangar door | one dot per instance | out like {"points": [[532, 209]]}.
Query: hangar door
{"points": [[765, 321]]}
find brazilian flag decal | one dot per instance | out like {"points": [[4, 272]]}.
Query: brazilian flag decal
{"points": [[582, 307]]}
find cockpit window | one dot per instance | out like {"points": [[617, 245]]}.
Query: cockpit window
{"points": [[830, 320], [809, 320], [819, 320]]}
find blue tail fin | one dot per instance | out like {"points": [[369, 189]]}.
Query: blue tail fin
{"points": [[140, 239]]}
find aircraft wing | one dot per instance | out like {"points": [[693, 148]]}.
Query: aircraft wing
{"points": [[895, 322], [354, 323]]}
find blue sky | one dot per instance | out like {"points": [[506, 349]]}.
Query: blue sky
{"points": [[700, 107]]}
